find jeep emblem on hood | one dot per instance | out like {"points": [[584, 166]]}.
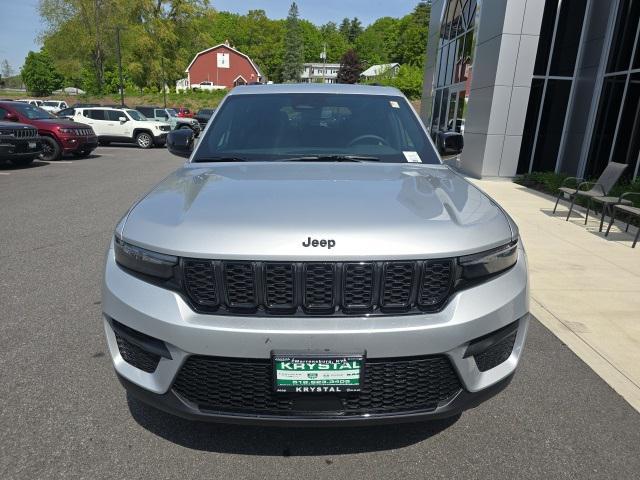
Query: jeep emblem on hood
{"points": [[319, 243]]}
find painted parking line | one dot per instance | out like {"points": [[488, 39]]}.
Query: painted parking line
{"points": [[5, 173], [58, 162]]}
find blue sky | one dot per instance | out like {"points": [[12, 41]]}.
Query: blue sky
{"points": [[20, 23]]}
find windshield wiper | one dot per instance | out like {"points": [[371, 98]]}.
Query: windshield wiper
{"points": [[221, 159], [332, 158]]}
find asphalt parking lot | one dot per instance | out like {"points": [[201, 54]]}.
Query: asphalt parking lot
{"points": [[64, 415]]}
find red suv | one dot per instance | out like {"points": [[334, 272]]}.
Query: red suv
{"points": [[59, 136]]}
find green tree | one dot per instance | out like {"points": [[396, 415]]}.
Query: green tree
{"points": [[355, 29], [411, 40], [5, 69], [345, 28], [350, 68], [39, 74], [337, 45], [378, 41], [294, 47], [408, 80]]}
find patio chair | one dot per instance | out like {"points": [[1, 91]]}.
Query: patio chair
{"points": [[599, 188], [628, 209]]}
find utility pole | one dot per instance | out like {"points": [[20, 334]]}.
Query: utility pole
{"points": [[120, 66], [164, 84], [324, 60]]}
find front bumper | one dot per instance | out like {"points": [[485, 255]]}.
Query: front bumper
{"points": [[11, 147], [164, 315], [160, 139], [79, 143]]}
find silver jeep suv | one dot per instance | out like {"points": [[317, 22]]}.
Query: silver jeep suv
{"points": [[314, 262]]}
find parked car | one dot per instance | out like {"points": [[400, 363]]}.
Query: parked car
{"points": [[184, 112], [67, 113], [19, 143], [123, 125], [207, 86], [32, 101], [59, 136], [54, 106], [170, 116], [314, 262], [203, 116]]}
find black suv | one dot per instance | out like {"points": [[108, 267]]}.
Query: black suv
{"points": [[19, 143]]}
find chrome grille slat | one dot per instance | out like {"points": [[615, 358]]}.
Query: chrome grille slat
{"points": [[318, 288], [21, 132]]}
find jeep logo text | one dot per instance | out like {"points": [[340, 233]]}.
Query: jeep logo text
{"points": [[319, 243]]}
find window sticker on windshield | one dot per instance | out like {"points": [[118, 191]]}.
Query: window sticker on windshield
{"points": [[412, 157], [394, 104]]}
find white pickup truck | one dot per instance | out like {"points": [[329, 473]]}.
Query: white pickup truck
{"points": [[183, 85]]}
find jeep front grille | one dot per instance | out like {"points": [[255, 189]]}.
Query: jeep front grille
{"points": [[321, 288], [20, 132]]}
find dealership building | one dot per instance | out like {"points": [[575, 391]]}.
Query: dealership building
{"points": [[536, 85]]}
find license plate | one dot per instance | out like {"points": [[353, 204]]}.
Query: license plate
{"points": [[32, 145], [317, 373]]}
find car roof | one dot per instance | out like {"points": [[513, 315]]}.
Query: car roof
{"points": [[102, 108], [338, 88]]}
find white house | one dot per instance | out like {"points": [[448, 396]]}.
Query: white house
{"points": [[319, 72]]}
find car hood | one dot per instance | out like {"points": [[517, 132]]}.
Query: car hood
{"points": [[268, 211], [48, 123]]}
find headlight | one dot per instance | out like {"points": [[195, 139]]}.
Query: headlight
{"points": [[68, 130], [489, 263], [144, 261]]}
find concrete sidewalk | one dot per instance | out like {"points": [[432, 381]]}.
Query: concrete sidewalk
{"points": [[584, 287]]}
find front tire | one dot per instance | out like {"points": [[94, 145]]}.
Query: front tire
{"points": [[144, 140], [50, 150]]}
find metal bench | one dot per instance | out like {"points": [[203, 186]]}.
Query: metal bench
{"points": [[629, 210]]}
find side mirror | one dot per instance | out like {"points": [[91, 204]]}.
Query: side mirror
{"points": [[180, 142], [11, 117], [450, 143], [122, 119]]}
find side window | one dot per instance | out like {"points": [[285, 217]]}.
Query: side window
{"points": [[114, 115], [3, 113], [161, 114], [96, 114]]}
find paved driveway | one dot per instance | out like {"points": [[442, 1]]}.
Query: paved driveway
{"points": [[64, 415]]}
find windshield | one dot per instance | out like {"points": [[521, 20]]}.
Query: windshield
{"points": [[32, 112], [268, 127], [172, 112], [136, 115], [51, 104]]}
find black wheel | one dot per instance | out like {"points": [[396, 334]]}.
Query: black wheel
{"points": [[144, 140], [22, 162], [50, 150], [104, 143]]}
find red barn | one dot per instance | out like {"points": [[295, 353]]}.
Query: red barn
{"points": [[222, 65]]}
